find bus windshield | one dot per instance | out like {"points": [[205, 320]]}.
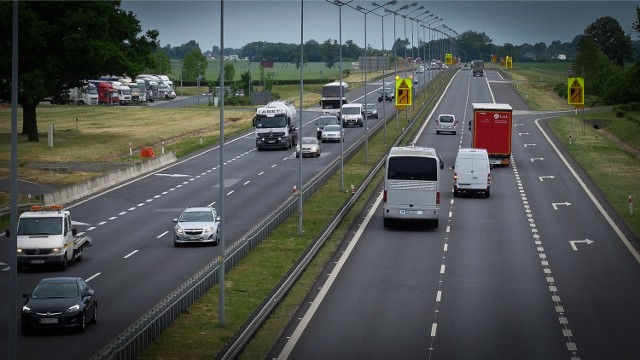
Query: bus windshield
{"points": [[412, 168]]}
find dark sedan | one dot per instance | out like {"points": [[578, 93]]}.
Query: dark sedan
{"points": [[59, 302]]}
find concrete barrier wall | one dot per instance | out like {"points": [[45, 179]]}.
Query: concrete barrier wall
{"points": [[93, 186]]}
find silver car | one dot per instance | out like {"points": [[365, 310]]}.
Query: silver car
{"points": [[332, 133], [310, 147], [446, 123], [372, 111], [197, 225]]}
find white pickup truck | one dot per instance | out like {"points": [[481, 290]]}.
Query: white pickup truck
{"points": [[46, 237]]}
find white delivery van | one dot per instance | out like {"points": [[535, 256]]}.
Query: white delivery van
{"points": [[352, 114], [472, 172], [411, 190]]}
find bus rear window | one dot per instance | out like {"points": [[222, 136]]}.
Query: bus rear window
{"points": [[412, 168]]}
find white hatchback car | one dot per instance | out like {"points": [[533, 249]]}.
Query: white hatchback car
{"points": [[446, 123]]}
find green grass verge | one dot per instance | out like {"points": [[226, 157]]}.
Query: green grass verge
{"points": [[613, 169]]}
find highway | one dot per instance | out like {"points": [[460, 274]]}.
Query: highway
{"points": [[543, 269], [133, 264]]}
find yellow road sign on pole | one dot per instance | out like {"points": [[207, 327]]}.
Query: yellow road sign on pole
{"points": [[403, 91], [575, 91]]}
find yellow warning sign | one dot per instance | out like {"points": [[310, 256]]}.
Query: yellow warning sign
{"points": [[403, 91], [448, 59], [575, 91]]}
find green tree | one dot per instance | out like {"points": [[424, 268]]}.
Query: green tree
{"points": [[594, 65], [194, 64], [244, 83], [161, 63], [229, 73], [330, 54], [607, 33], [60, 46]]}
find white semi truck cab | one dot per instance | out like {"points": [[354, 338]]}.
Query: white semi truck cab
{"points": [[45, 236], [275, 126]]}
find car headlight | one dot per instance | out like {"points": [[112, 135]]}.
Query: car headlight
{"points": [[179, 230], [55, 251], [209, 229], [73, 309], [26, 310], [19, 251]]}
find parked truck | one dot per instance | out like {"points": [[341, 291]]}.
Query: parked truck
{"points": [[84, 95], [46, 236], [124, 92], [491, 130], [275, 125]]}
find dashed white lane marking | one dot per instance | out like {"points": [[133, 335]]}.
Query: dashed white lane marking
{"points": [[130, 254], [546, 269]]}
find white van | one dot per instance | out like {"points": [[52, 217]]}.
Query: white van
{"points": [[352, 114], [472, 172], [411, 190]]}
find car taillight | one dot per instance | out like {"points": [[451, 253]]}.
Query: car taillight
{"points": [[488, 179], [384, 195], [455, 178], [437, 197]]}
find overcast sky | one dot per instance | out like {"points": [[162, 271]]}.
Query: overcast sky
{"points": [[245, 21]]}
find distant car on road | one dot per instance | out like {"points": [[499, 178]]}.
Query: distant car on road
{"points": [[372, 111], [59, 302], [197, 225], [310, 147], [446, 123], [332, 133], [386, 95]]}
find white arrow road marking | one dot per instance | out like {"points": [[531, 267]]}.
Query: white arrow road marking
{"points": [[527, 145], [555, 205], [6, 268], [534, 159], [173, 175], [574, 242], [546, 177]]}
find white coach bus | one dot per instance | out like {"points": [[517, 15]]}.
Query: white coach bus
{"points": [[411, 191]]}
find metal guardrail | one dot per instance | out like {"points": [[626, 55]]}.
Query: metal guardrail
{"points": [[148, 327]]}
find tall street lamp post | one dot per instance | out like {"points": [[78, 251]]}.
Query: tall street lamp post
{"points": [[384, 86], [340, 4], [395, 48], [366, 116], [404, 19]]}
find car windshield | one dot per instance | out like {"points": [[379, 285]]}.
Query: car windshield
{"points": [[197, 216], [351, 110], [371, 106], [332, 128], [327, 120], [55, 290], [40, 226], [309, 140]]}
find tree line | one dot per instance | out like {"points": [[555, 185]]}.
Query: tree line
{"points": [[59, 49]]}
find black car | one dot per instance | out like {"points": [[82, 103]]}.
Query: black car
{"points": [[59, 302]]}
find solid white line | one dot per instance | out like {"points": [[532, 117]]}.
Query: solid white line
{"points": [[131, 253], [92, 277], [286, 351]]}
